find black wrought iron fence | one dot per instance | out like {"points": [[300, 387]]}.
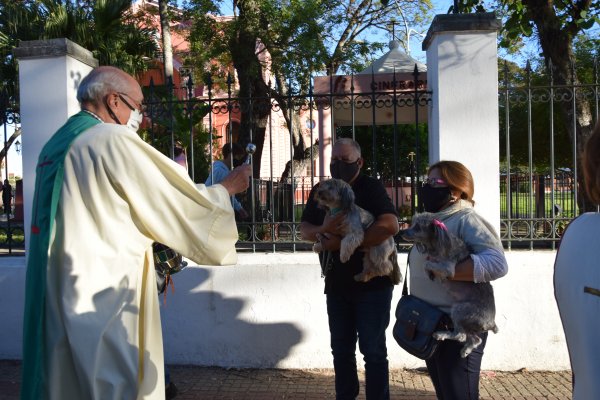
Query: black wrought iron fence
{"points": [[12, 235], [538, 130], [386, 117], [536, 208], [544, 125]]}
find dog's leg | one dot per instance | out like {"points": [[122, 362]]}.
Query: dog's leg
{"points": [[349, 243], [494, 328], [472, 342], [380, 257], [491, 326], [376, 262], [456, 334], [367, 272]]}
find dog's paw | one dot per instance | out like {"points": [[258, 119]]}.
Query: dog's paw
{"points": [[465, 351], [345, 254]]}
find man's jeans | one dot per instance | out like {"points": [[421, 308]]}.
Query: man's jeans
{"points": [[364, 316]]}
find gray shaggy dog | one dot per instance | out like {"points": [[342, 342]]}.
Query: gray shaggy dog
{"points": [[474, 309], [336, 195]]}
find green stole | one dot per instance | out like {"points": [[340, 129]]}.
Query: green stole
{"points": [[48, 184]]}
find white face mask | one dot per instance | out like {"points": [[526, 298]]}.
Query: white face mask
{"points": [[135, 120]]}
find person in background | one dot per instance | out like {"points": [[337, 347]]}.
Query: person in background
{"points": [[356, 310], [91, 325], [180, 155], [7, 196], [233, 156], [577, 282], [448, 192]]}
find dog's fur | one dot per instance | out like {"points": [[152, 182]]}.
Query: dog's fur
{"points": [[474, 309], [335, 194]]}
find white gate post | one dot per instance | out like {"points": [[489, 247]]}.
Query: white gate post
{"points": [[49, 73], [462, 72]]}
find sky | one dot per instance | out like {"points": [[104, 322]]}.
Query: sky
{"points": [[440, 7], [15, 164]]}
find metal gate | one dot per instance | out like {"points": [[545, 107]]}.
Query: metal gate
{"points": [[385, 117]]}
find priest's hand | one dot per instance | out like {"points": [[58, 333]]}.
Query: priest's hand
{"points": [[238, 179]]}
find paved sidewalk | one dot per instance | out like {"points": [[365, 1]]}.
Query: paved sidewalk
{"points": [[208, 383]]}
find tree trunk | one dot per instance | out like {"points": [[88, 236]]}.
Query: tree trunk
{"points": [[167, 47], [254, 93], [298, 164]]}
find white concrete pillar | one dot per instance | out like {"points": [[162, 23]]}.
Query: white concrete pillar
{"points": [[462, 73], [49, 74]]}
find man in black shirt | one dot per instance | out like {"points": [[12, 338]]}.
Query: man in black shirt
{"points": [[356, 310]]}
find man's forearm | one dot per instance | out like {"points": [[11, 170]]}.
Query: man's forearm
{"points": [[384, 227], [309, 231]]}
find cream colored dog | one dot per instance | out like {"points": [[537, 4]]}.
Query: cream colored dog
{"points": [[336, 195]]}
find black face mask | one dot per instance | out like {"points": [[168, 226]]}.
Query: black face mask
{"points": [[343, 170], [433, 198]]}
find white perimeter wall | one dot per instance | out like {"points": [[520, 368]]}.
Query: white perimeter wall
{"points": [[269, 311]]}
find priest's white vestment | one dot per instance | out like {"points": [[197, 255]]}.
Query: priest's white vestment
{"points": [[119, 195], [577, 291]]}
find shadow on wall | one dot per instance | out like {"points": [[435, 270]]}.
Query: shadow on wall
{"points": [[204, 328]]}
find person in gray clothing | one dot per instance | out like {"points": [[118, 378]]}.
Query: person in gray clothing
{"points": [[448, 192]]}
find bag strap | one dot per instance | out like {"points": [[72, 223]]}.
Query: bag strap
{"points": [[405, 286]]}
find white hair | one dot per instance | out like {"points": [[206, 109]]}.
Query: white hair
{"points": [[100, 82]]}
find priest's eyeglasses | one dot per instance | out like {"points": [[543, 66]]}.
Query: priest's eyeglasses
{"points": [[139, 106]]}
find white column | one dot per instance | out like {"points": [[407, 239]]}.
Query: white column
{"points": [[462, 72], [49, 74]]}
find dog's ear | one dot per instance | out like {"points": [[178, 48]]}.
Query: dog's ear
{"points": [[346, 197], [441, 237]]}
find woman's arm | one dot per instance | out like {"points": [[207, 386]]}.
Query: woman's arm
{"points": [[485, 266], [487, 261]]}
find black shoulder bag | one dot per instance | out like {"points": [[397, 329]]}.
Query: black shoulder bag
{"points": [[416, 320]]}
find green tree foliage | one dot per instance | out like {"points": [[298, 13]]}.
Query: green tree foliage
{"points": [[394, 149], [549, 133], [276, 46], [174, 123], [107, 28], [556, 26]]}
